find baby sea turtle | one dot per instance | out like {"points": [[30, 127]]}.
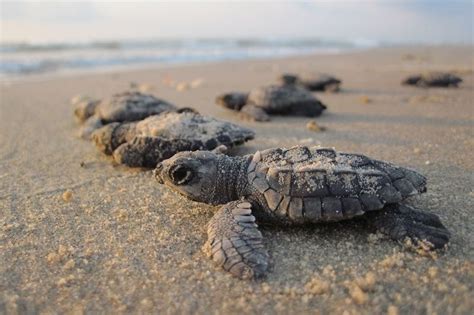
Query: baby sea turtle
{"points": [[312, 81], [433, 79], [121, 107], [295, 186], [149, 141], [285, 99]]}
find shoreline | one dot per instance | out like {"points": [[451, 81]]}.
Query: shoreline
{"points": [[170, 65], [149, 67], [117, 242], [158, 64]]}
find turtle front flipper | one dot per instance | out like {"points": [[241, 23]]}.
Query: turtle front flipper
{"points": [[147, 151], [400, 222], [84, 107], [235, 243]]}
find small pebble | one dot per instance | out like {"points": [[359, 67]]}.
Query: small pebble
{"points": [[144, 88], [67, 195], [53, 258], [392, 310], [197, 83], [61, 282], [316, 286], [182, 86], [313, 126], [359, 296], [367, 283], [266, 288], [121, 215], [63, 250], [65, 281], [146, 303], [364, 99], [69, 264], [433, 272], [169, 82]]}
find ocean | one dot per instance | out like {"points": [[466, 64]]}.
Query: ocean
{"points": [[24, 59]]}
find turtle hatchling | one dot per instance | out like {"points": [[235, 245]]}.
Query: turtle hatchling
{"points": [[312, 81], [153, 139], [433, 79], [300, 185], [121, 107], [284, 99]]}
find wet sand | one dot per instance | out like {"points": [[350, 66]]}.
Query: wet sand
{"points": [[81, 235]]}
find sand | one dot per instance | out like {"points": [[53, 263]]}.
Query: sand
{"points": [[81, 235]]}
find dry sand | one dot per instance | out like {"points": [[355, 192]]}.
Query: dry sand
{"points": [[80, 235]]}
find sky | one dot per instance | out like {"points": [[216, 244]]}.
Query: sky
{"points": [[392, 21]]}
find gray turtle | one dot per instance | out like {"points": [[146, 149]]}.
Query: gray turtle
{"points": [[149, 141], [295, 186], [121, 107], [285, 99], [433, 79], [312, 81]]}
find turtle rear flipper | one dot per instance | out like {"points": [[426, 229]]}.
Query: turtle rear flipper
{"points": [[332, 87], [111, 136], [235, 243], [400, 222], [253, 112]]}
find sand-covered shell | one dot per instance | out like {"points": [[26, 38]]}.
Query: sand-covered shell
{"points": [[125, 106], [312, 81], [131, 106], [209, 131], [282, 99], [433, 79], [319, 184], [158, 137]]}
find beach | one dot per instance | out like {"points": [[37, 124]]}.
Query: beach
{"points": [[81, 235]]}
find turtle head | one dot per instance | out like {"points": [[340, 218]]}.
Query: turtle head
{"points": [[233, 100], [412, 80], [288, 79], [192, 174]]}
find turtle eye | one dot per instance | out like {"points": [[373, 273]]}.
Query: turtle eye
{"points": [[181, 174]]}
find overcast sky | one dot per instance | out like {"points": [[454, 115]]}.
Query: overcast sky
{"points": [[429, 21]]}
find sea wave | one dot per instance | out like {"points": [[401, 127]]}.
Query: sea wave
{"points": [[26, 58]]}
